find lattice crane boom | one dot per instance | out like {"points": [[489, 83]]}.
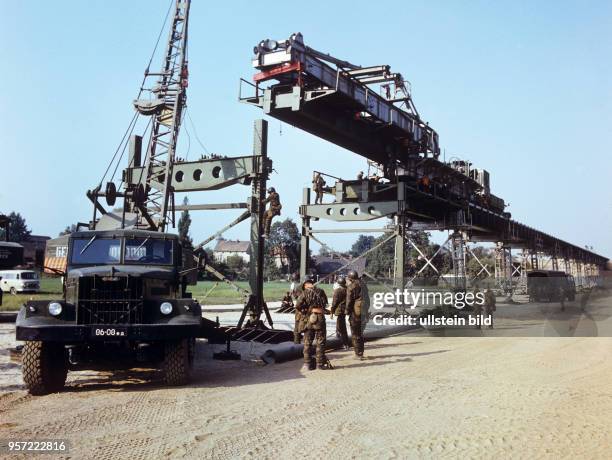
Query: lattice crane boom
{"points": [[166, 108]]}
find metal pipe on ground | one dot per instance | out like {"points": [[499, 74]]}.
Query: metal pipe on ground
{"points": [[290, 351]]}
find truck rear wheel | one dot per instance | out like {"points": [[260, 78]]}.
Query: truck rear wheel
{"points": [[44, 367], [178, 361]]}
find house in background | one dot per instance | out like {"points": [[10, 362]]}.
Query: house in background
{"points": [[56, 254], [325, 265], [229, 248]]}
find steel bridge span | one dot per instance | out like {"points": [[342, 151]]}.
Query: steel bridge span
{"points": [[369, 111]]}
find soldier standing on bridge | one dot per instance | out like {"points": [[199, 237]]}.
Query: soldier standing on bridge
{"points": [[273, 210], [338, 308], [312, 304], [489, 305], [317, 184], [354, 303]]}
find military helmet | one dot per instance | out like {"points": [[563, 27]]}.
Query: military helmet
{"points": [[341, 281], [271, 189], [352, 275], [307, 279]]}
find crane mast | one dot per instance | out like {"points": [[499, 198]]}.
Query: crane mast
{"points": [[165, 107]]}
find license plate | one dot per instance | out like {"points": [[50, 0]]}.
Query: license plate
{"points": [[108, 333]]}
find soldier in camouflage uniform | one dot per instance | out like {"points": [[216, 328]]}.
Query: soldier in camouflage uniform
{"points": [[477, 307], [317, 184], [273, 210], [338, 308], [312, 304], [287, 302], [489, 305], [354, 303]]}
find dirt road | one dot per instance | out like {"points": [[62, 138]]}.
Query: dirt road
{"points": [[415, 396]]}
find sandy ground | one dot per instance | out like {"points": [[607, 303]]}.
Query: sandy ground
{"points": [[415, 396]]}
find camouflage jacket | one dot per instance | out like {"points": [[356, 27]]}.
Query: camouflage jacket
{"points": [[318, 183], [310, 298], [353, 297], [339, 301], [490, 301], [274, 200]]}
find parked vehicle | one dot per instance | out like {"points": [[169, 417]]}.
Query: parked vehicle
{"points": [[551, 286], [125, 299], [15, 281]]}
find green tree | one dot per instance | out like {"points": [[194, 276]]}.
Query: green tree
{"points": [[283, 244], [237, 267], [363, 244], [218, 265], [487, 258], [18, 229], [380, 260], [68, 230], [184, 225]]}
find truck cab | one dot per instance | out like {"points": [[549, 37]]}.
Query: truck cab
{"points": [[125, 295]]}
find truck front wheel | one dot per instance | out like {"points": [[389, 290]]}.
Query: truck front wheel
{"points": [[178, 361], [44, 367]]}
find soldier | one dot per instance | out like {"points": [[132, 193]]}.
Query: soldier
{"points": [[317, 185], [273, 210], [365, 304], [287, 302], [360, 175], [477, 311], [489, 306], [312, 304], [338, 308], [354, 302]]}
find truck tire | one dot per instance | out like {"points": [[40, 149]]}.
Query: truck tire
{"points": [[178, 361], [44, 367]]}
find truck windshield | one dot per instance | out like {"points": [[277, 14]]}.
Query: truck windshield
{"points": [[96, 250], [148, 251]]}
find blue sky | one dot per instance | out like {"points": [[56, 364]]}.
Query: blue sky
{"points": [[523, 89]]}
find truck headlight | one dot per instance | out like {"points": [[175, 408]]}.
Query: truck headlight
{"points": [[55, 308], [166, 308]]}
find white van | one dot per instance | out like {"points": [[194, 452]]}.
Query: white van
{"points": [[15, 281]]}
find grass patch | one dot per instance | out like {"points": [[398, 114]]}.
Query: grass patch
{"points": [[206, 292], [50, 288]]}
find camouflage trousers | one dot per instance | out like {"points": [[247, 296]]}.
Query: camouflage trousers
{"points": [[319, 196], [315, 337], [489, 313], [356, 334], [298, 329], [268, 216], [341, 329]]}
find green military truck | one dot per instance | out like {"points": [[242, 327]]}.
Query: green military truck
{"points": [[125, 299]]}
